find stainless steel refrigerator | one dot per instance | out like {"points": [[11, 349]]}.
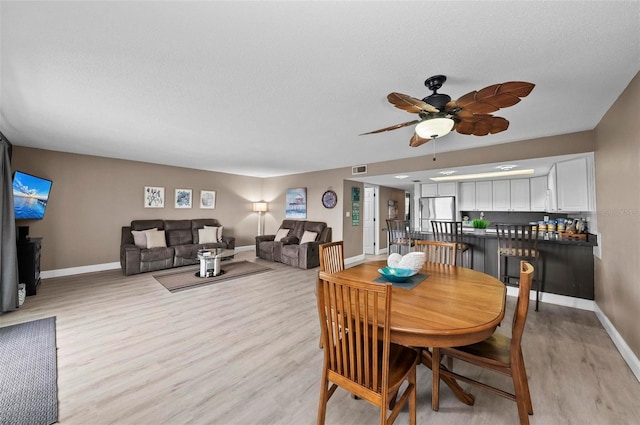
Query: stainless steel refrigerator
{"points": [[442, 208]]}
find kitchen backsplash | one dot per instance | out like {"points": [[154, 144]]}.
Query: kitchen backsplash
{"points": [[511, 217]]}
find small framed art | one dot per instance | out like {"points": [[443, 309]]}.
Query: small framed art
{"points": [[207, 199], [183, 198], [153, 197]]}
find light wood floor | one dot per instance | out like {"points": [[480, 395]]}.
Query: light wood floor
{"points": [[246, 352]]}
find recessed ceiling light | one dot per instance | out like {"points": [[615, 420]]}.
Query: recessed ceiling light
{"points": [[447, 172], [483, 175], [506, 167], [402, 176]]}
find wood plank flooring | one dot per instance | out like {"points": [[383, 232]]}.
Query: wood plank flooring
{"points": [[245, 351]]}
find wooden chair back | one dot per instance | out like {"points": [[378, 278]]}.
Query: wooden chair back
{"points": [[437, 252], [522, 306], [447, 231], [517, 240], [332, 257], [356, 338], [399, 236]]}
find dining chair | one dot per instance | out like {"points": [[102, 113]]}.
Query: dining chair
{"points": [[331, 257], [451, 231], [498, 353], [518, 241], [399, 236], [358, 354], [437, 252]]}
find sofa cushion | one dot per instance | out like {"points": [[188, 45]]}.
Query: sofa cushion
{"points": [[156, 254], [281, 233], [147, 224], [308, 236], [199, 224], [155, 239], [218, 232], [140, 237], [208, 235]]}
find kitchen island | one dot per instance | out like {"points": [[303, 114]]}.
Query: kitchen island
{"points": [[566, 265]]}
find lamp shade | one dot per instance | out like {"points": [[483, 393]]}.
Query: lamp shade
{"points": [[434, 127], [260, 207]]}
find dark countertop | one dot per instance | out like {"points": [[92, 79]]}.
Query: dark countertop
{"points": [[491, 234]]}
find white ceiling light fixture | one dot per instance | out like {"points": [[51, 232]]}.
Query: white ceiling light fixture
{"points": [[506, 167], [492, 174], [447, 172], [434, 128], [401, 177]]}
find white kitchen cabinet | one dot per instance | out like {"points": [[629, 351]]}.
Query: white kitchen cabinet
{"points": [[500, 195], [519, 195], [572, 185], [552, 198], [447, 189], [467, 198], [538, 193], [484, 198], [438, 189]]}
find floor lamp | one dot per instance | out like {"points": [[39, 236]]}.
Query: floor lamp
{"points": [[260, 208]]}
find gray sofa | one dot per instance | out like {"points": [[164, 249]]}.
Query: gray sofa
{"points": [[289, 250], [182, 240]]}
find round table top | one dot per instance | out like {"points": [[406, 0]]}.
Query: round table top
{"points": [[453, 306]]}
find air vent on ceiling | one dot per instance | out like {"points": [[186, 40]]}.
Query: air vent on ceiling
{"points": [[358, 169]]}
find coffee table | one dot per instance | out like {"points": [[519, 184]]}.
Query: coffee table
{"points": [[210, 261]]}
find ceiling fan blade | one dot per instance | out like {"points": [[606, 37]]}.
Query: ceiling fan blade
{"points": [[417, 141], [410, 104], [494, 97], [393, 127], [481, 125]]}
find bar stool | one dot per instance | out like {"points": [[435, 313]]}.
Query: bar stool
{"points": [[451, 231], [399, 237], [518, 241]]}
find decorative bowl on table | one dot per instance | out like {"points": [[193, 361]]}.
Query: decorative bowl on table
{"points": [[395, 274], [412, 260]]}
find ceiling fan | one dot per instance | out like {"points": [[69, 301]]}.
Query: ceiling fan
{"points": [[470, 114]]}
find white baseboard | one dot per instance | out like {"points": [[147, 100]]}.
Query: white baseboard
{"points": [[627, 354], [556, 299], [352, 261], [79, 270]]}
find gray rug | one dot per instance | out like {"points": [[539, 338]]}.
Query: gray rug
{"points": [[29, 373], [186, 278]]}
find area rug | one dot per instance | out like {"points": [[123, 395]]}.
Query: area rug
{"points": [[186, 279], [29, 373]]}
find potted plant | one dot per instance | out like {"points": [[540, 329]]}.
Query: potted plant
{"points": [[480, 226]]}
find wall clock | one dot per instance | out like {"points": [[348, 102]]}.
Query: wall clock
{"points": [[329, 199]]}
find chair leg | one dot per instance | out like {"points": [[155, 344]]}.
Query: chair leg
{"points": [[435, 368], [499, 267], [413, 397], [324, 398], [525, 385], [518, 385], [538, 283]]}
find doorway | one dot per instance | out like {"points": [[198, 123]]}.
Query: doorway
{"points": [[371, 242]]}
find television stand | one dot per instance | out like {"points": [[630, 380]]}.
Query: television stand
{"points": [[29, 263]]}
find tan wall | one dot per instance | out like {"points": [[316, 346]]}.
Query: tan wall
{"points": [[93, 197], [617, 164]]}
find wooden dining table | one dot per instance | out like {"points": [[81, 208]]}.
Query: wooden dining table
{"points": [[452, 306]]}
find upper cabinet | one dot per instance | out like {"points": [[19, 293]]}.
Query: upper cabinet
{"points": [[438, 189], [501, 200], [484, 198], [538, 193], [572, 185], [467, 199], [520, 195], [475, 196]]}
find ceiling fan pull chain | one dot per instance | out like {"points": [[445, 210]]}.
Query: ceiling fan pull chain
{"points": [[434, 149]]}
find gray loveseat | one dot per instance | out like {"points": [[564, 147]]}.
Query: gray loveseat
{"points": [[182, 245], [289, 250]]}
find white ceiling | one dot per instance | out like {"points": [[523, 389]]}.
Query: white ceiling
{"points": [[271, 88]]}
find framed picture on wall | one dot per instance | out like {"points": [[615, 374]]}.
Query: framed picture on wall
{"points": [[153, 197], [208, 199], [183, 198], [296, 203]]}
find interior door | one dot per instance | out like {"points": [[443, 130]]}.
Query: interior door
{"points": [[369, 220]]}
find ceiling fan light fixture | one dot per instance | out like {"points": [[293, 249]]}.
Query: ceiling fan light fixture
{"points": [[434, 127]]}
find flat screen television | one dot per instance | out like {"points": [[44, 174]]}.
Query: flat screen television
{"points": [[30, 196]]}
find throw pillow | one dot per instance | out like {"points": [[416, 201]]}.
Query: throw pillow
{"points": [[208, 235], [218, 232], [308, 237], [281, 233], [155, 239], [140, 237]]}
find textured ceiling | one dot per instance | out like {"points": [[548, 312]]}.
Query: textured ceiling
{"points": [[271, 88]]}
